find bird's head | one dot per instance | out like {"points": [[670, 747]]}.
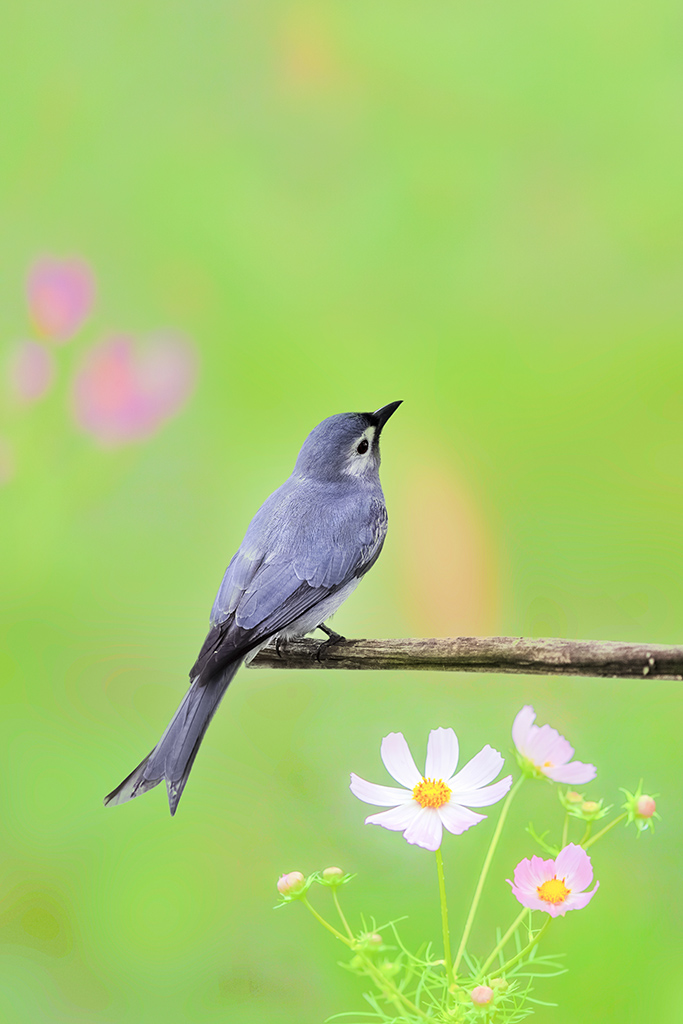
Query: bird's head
{"points": [[345, 446]]}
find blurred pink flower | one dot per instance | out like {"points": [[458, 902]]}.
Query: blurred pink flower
{"points": [[555, 886], [482, 995], [60, 296], [31, 371], [544, 752], [124, 391], [439, 799]]}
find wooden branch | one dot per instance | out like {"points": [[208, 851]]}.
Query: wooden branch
{"points": [[483, 654]]}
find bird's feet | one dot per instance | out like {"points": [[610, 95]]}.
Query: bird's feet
{"points": [[279, 642], [333, 638]]}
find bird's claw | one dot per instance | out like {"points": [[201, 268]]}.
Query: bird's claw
{"points": [[333, 638]]}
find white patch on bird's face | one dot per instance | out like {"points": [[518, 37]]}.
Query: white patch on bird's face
{"points": [[360, 455]]}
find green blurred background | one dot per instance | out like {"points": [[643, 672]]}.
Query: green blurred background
{"points": [[473, 208]]}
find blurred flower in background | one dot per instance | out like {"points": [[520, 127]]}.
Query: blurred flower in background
{"points": [[452, 576], [60, 296], [31, 371], [124, 389]]}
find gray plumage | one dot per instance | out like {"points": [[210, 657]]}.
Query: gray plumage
{"points": [[304, 552]]}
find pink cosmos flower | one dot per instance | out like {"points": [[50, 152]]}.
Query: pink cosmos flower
{"points": [[60, 296], [555, 886], [546, 752], [438, 799], [31, 371], [123, 391]]}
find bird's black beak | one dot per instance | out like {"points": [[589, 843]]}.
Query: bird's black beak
{"points": [[380, 417]]}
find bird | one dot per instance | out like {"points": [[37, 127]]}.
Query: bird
{"points": [[304, 552]]}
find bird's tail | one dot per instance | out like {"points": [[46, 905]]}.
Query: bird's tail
{"points": [[174, 754]]}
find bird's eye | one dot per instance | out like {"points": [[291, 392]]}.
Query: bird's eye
{"points": [[363, 446]]}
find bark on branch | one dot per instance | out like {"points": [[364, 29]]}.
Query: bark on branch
{"points": [[483, 654]]}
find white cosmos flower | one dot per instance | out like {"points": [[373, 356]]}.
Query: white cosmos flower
{"points": [[438, 799]]}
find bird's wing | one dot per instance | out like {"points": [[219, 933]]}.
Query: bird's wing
{"points": [[292, 558]]}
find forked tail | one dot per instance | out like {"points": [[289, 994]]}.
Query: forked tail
{"points": [[174, 754]]}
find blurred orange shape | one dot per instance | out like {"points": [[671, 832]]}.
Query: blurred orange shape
{"points": [[450, 560], [31, 371], [60, 296], [124, 391]]}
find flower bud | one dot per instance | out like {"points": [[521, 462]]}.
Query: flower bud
{"points": [[572, 802], [291, 884], [390, 968], [500, 984], [641, 809], [370, 941], [481, 995], [330, 874], [590, 806], [645, 806]]}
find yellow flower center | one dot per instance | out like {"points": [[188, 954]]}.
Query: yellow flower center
{"points": [[431, 793], [553, 891]]}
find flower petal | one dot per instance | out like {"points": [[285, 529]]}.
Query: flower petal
{"points": [[442, 754], [381, 796], [397, 819], [528, 898], [398, 760], [425, 829], [521, 727], [577, 773], [483, 768], [529, 874], [458, 819], [483, 797], [574, 865], [579, 900], [554, 909], [546, 745], [534, 902]]}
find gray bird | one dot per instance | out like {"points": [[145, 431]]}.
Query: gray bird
{"points": [[304, 552]]}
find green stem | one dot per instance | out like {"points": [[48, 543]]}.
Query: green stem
{"points": [[384, 984], [444, 918], [503, 942], [484, 872], [523, 953], [586, 834], [326, 924], [605, 830], [390, 990], [335, 897], [565, 831]]}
